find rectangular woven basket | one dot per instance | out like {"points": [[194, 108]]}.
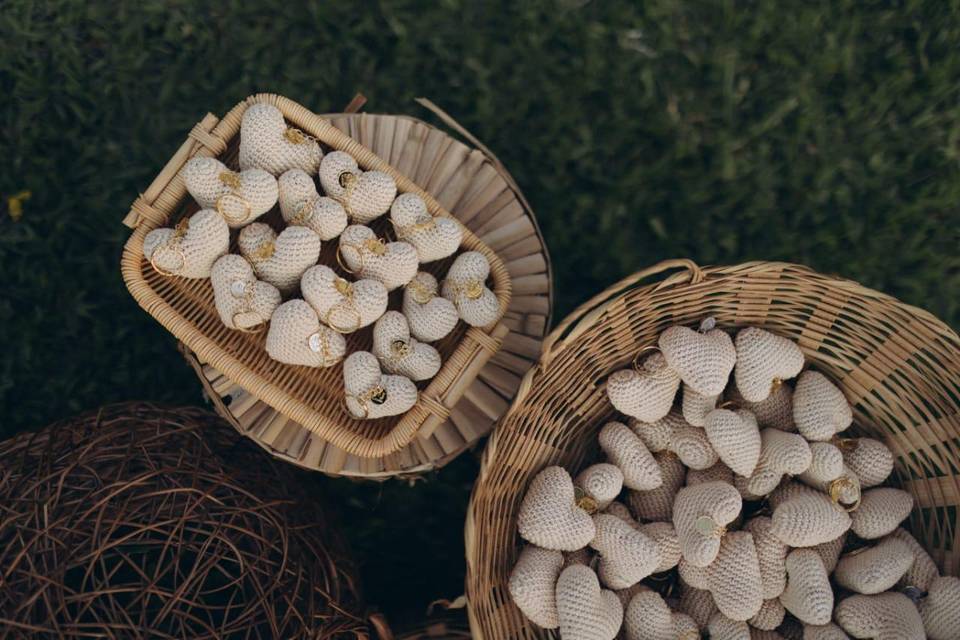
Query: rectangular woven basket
{"points": [[312, 397]]}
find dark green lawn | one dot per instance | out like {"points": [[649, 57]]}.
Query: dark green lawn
{"points": [[826, 133]]}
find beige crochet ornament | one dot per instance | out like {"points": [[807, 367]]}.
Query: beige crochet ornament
{"points": [[827, 631], [626, 595], [684, 628], [780, 453], [808, 594], [764, 361], [736, 439], [717, 472], [586, 612], [771, 554], [239, 197], [242, 301], [869, 459], [820, 409], [648, 617], [190, 249], [721, 627], [703, 359], [940, 609], [770, 615], [296, 336], [696, 577], [698, 604], [700, 516], [533, 582], [549, 515], [657, 504], [881, 511], [734, 577], [696, 406], [830, 552], [301, 205], [808, 520], [776, 411], [645, 392], [789, 489], [689, 444], [268, 143], [344, 306], [281, 259], [362, 253], [621, 511], [370, 394], [826, 464], [627, 451], [430, 315], [434, 238], [365, 195], [465, 287], [923, 571], [627, 555], [668, 545], [401, 354], [602, 482], [876, 569], [885, 616]]}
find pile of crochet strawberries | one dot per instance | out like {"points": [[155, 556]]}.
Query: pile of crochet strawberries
{"points": [[274, 279], [741, 513]]}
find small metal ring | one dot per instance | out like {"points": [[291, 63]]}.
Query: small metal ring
{"points": [[834, 489], [247, 209], [363, 405], [643, 350], [341, 329], [167, 247], [252, 329], [342, 261]]}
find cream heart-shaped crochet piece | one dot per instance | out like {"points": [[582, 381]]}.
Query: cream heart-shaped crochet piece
{"points": [[876, 569], [532, 585], [281, 259], [627, 451], [696, 406], [700, 516], [776, 411], [869, 459], [881, 511], [242, 301], [808, 594], [645, 393], [621, 511], [923, 571], [827, 631], [820, 409], [430, 315], [940, 609], [843, 490], [826, 464], [830, 551], [788, 490], [465, 287], [720, 627], [672, 433], [702, 360], [885, 616], [344, 306], [734, 577], [586, 612], [400, 353], [549, 515], [735, 437], [602, 482], [808, 520], [626, 595], [693, 575], [668, 544], [770, 615], [371, 394], [296, 336], [363, 254], [268, 143], [698, 604], [718, 472], [772, 555], [240, 197], [764, 360], [648, 617], [190, 249], [434, 237], [627, 555], [684, 628], [365, 195], [302, 206], [780, 453], [657, 504]]}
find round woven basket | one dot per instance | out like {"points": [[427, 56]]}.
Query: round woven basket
{"points": [[897, 365]]}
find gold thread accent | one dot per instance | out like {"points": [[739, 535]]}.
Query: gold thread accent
{"points": [[221, 209], [342, 307], [422, 294], [584, 500], [304, 213], [230, 178], [375, 246], [348, 182], [423, 223], [248, 291], [295, 136], [343, 287], [837, 486], [264, 251]]}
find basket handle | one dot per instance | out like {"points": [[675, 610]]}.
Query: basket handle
{"points": [[584, 316]]}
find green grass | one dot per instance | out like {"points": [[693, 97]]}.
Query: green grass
{"points": [[825, 133]]}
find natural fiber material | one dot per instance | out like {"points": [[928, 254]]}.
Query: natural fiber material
{"points": [[808, 520], [431, 316], [343, 305], [713, 502], [465, 287], [881, 512], [190, 250], [400, 353], [657, 504], [697, 406], [698, 604], [240, 197], [826, 464], [279, 259], [137, 521], [828, 631], [875, 569], [668, 544], [764, 360], [885, 616], [371, 394], [648, 617], [717, 473], [869, 459], [830, 551], [771, 555], [923, 571], [242, 301], [533, 585], [586, 612], [602, 482], [627, 555], [627, 451], [808, 594], [781, 453], [819, 407], [672, 433], [645, 393], [266, 142], [392, 263], [736, 439], [734, 577], [940, 609], [549, 516], [770, 615], [434, 238], [366, 195], [301, 204], [296, 336], [702, 360], [723, 628]]}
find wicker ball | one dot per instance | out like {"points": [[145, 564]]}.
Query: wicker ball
{"points": [[138, 521]]}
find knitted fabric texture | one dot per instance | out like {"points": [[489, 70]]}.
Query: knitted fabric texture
{"points": [[657, 434], [820, 409], [830, 551], [808, 520], [674, 434], [627, 555], [392, 263], [668, 545], [647, 394], [696, 577], [826, 464], [780, 453], [626, 595], [364, 384], [620, 510], [430, 315], [881, 511], [434, 238], [190, 251], [343, 305], [602, 482], [776, 411], [771, 554], [719, 472], [657, 504], [365, 196], [279, 259], [698, 604], [870, 459], [788, 490], [720, 627], [586, 612], [762, 359], [300, 204], [808, 594], [736, 439], [296, 336], [241, 300], [702, 360], [266, 143], [627, 451], [399, 353], [696, 406], [940, 610], [549, 516], [734, 577], [885, 616], [684, 628], [923, 571], [648, 617], [770, 615], [239, 197], [713, 503], [533, 582], [827, 631], [464, 287], [875, 569]]}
